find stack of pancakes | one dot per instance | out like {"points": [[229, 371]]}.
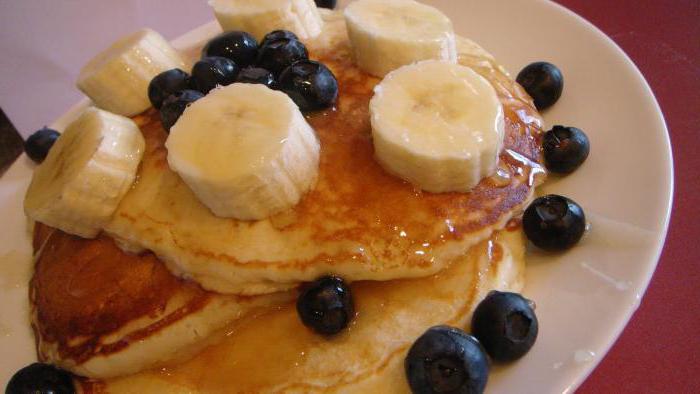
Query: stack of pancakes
{"points": [[171, 298]]}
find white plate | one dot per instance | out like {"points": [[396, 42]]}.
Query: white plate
{"points": [[584, 297]]}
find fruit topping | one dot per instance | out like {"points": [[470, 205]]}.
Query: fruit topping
{"points": [[278, 35], [175, 105], [326, 3], [422, 132], [40, 379], [258, 17], [280, 54], [85, 175], [387, 34], [310, 84], [37, 146], [117, 79], [237, 159], [326, 305], [506, 325], [213, 71], [543, 81], [256, 75], [165, 84], [554, 222], [239, 46], [446, 360], [565, 149]]}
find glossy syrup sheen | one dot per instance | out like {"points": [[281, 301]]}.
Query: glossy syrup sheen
{"points": [[84, 289], [379, 202]]}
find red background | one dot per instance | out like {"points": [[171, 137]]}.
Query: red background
{"points": [[659, 351]]}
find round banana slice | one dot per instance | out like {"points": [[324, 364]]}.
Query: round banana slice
{"points": [[387, 34], [245, 150], [117, 79], [260, 17], [87, 172], [437, 125]]}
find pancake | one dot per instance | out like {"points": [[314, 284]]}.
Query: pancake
{"points": [[358, 222], [273, 352], [99, 312]]}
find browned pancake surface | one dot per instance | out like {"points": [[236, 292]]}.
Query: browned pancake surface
{"points": [[84, 289]]}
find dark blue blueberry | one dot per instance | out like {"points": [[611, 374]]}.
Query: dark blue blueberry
{"points": [[446, 360], [326, 305], [213, 71], [506, 325], [310, 84], [554, 222], [565, 149], [40, 378], [165, 84], [326, 3], [37, 146], [256, 75], [280, 54], [175, 105], [238, 46], [278, 35], [543, 81]]}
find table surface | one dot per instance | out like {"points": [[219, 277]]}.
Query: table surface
{"points": [[659, 351]]}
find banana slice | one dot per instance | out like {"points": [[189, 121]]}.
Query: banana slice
{"points": [[260, 17], [117, 79], [387, 34], [87, 172], [437, 125], [245, 150]]}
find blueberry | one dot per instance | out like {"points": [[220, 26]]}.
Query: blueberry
{"points": [[165, 84], [565, 149], [37, 146], [212, 71], [175, 105], [279, 54], [326, 3], [554, 222], [543, 82], [278, 35], [40, 378], [506, 325], [326, 305], [238, 46], [310, 84], [446, 360], [256, 75]]}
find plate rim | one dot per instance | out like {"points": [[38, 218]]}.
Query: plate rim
{"points": [[669, 195]]}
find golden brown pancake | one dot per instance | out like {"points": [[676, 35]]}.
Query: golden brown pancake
{"points": [[359, 222], [272, 352], [100, 312]]}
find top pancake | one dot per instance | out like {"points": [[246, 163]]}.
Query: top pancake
{"points": [[358, 222]]}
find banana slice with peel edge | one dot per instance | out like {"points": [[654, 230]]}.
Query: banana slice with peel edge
{"points": [[388, 34], [245, 150], [86, 173], [117, 79], [260, 17], [437, 125]]}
